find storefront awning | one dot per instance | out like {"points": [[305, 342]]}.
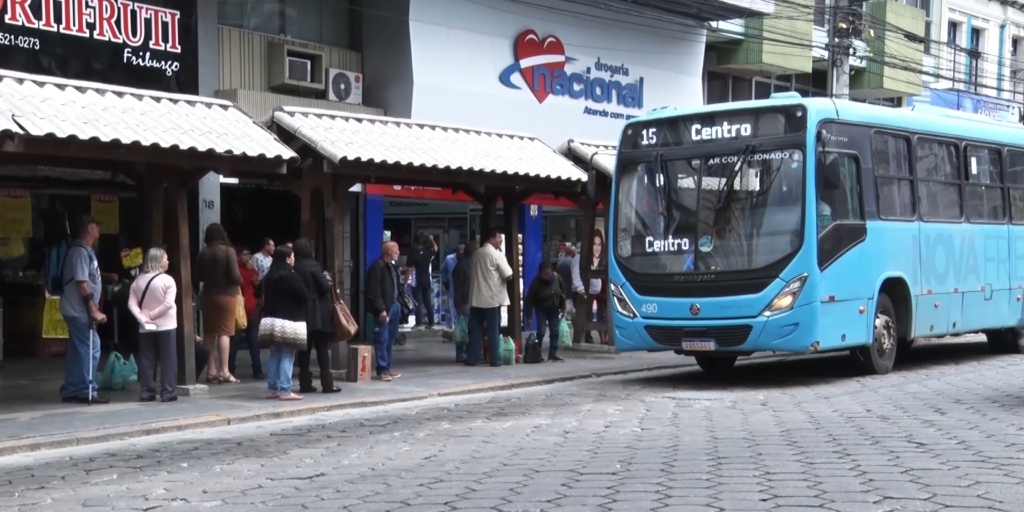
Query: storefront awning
{"points": [[207, 132], [344, 138], [600, 155]]}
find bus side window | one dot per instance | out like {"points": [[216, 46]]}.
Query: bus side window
{"points": [[891, 157], [984, 197], [839, 193], [1015, 183]]}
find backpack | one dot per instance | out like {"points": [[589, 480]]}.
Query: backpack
{"points": [[532, 352], [54, 278]]}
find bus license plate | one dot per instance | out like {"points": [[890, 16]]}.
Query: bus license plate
{"points": [[701, 345]]}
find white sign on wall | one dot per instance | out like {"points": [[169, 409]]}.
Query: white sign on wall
{"points": [[521, 68]]}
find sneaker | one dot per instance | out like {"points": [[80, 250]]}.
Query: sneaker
{"points": [[394, 375], [556, 359], [385, 377]]}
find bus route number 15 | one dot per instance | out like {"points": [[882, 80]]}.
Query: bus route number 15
{"points": [[648, 307], [649, 136]]}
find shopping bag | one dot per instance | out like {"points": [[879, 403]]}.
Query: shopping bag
{"points": [[241, 319], [508, 351], [118, 372], [564, 334], [461, 333]]}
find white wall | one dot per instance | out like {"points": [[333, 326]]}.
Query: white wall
{"points": [[460, 48], [987, 16]]}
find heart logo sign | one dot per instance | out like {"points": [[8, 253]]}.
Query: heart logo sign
{"points": [[532, 52]]}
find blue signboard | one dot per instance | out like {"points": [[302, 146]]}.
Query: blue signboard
{"points": [[963, 101]]}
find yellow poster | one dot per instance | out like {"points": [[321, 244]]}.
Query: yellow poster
{"points": [[15, 213], [53, 321], [106, 211]]}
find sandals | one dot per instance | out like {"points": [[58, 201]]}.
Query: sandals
{"points": [[228, 379], [289, 397], [213, 378]]}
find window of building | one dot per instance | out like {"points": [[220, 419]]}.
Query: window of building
{"points": [[742, 89], [820, 10], [762, 90], [717, 88], [984, 195], [952, 33], [938, 180], [895, 184], [1015, 183], [325, 22]]}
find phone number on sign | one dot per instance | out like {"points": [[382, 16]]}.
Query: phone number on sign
{"points": [[29, 43]]}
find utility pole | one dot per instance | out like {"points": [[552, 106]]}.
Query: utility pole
{"points": [[841, 24]]}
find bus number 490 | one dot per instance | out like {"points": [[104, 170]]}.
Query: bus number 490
{"points": [[648, 307]]}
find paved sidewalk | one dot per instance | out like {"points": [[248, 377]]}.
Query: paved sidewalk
{"points": [[33, 417]]}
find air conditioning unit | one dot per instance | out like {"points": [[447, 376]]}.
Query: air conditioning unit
{"points": [[293, 69], [345, 86], [299, 69]]}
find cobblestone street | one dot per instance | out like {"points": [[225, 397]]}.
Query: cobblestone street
{"points": [[946, 432]]}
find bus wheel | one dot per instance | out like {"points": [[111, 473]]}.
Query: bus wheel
{"points": [[714, 364], [1005, 341], [878, 357]]}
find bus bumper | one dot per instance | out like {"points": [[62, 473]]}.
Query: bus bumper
{"points": [[795, 331]]}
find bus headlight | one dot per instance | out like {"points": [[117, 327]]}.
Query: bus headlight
{"points": [[622, 304], [785, 300]]}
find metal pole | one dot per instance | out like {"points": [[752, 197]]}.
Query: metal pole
{"points": [[841, 27]]}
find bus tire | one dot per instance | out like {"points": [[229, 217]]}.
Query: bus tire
{"points": [[1005, 341], [715, 364], [878, 357]]}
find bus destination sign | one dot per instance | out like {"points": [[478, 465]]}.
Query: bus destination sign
{"points": [[713, 128]]}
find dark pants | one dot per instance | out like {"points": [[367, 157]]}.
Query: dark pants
{"points": [[152, 346], [484, 322], [248, 338], [320, 341], [424, 297], [550, 322], [384, 334], [579, 303]]}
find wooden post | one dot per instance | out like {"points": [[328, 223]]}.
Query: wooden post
{"points": [[153, 214], [334, 261], [515, 296], [586, 251], [181, 259]]}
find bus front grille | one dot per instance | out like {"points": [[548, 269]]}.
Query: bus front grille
{"points": [[725, 336]]}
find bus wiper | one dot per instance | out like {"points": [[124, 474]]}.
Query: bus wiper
{"points": [[730, 185]]}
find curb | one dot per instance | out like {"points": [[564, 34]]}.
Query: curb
{"points": [[58, 441]]}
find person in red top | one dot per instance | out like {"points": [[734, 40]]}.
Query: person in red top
{"points": [[250, 276]]}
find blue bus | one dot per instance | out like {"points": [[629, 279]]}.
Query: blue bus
{"points": [[806, 226]]}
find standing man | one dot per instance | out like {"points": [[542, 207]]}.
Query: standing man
{"points": [[79, 304], [564, 271], [262, 259], [420, 260], [448, 282], [247, 336], [383, 293], [488, 293]]}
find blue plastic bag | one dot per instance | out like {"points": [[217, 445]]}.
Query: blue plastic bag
{"points": [[117, 372], [460, 335], [508, 350], [564, 334]]}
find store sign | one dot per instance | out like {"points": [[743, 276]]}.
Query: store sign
{"points": [[148, 45], [541, 63], [963, 101]]}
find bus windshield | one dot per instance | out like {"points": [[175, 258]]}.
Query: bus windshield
{"points": [[716, 213]]}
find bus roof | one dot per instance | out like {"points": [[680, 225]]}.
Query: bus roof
{"points": [[919, 119]]}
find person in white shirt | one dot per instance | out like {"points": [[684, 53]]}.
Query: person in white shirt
{"points": [[262, 259], [488, 293], [580, 293]]}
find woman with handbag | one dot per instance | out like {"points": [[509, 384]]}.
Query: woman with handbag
{"points": [[319, 324], [151, 301], [283, 325]]}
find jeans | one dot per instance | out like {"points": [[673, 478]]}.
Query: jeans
{"points": [[460, 348], [484, 322], [247, 336], [384, 337], [550, 322], [453, 314], [424, 297], [279, 369], [160, 345], [78, 360]]}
